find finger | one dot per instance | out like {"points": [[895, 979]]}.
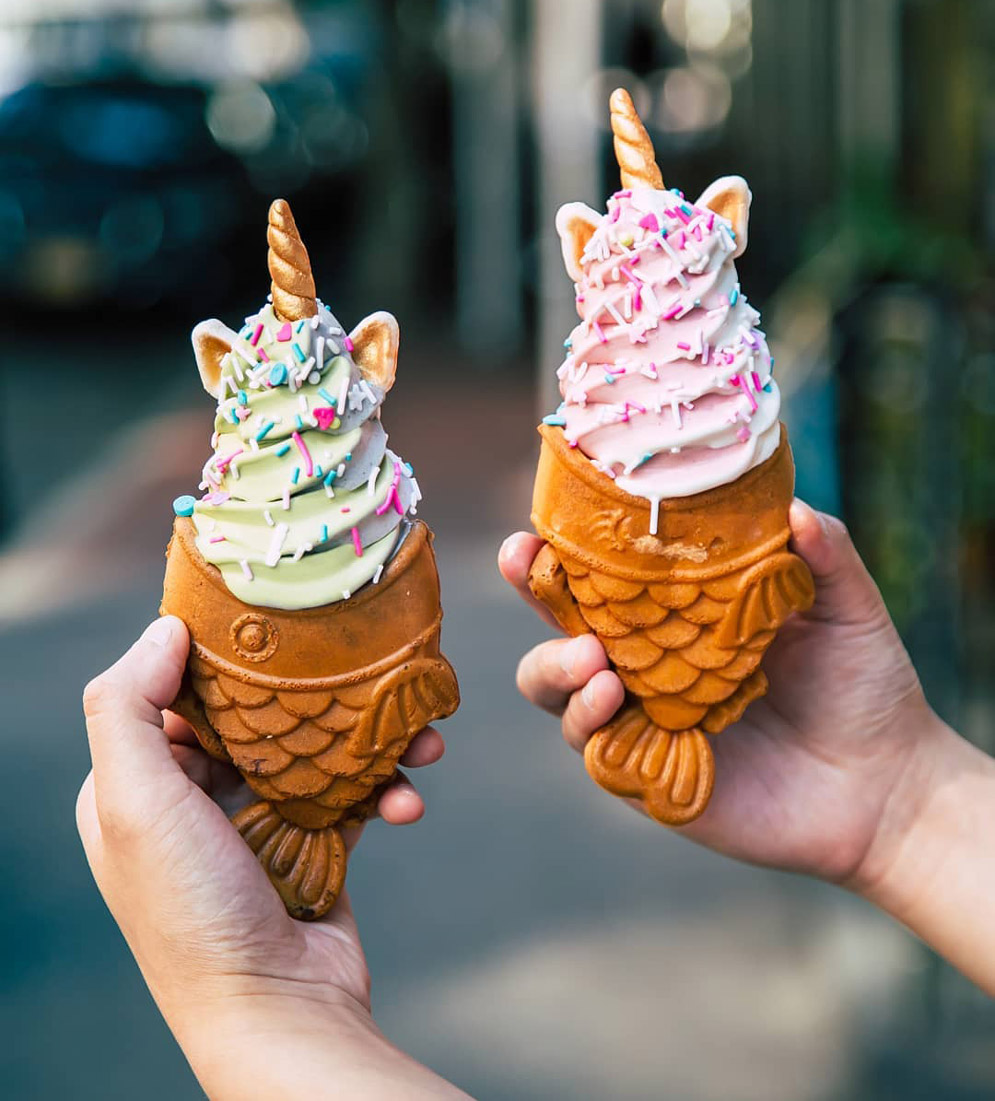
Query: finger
{"points": [[124, 705], [400, 804], [178, 730], [552, 671], [515, 559], [845, 592], [426, 748], [592, 707]]}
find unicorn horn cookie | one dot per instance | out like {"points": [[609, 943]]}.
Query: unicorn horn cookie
{"points": [[665, 477], [309, 589]]}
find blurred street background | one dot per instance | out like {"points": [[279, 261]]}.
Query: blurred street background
{"points": [[531, 938]]}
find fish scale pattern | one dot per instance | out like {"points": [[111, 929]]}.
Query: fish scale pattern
{"points": [[685, 648], [319, 754]]}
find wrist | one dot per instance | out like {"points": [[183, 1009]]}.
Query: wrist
{"points": [[898, 856], [287, 1041]]}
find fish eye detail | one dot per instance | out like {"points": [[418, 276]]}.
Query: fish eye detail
{"points": [[254, 637]]}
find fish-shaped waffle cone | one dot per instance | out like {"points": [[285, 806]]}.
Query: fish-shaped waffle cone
{"points": [[313, 707], [685, 615]]}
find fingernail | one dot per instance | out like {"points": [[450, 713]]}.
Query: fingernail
{"points": [[569, 655], [159, 632], [587, 695]]}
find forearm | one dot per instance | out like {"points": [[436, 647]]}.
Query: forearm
{"points": [[938, 877], [264, 1047]]}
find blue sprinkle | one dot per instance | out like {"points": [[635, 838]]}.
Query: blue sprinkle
{"points": [[243, 398], [330, 477], [324, 534], [183, 506], [298, 352], [687, 210], [264, 431], [568, 343], [734, 297], [234, 416], [318, 471], [327, 396], [768, 388], [278, 374], [609, 378], [300, 423], [408, 469], [554, 420], [283, 449], [296, 474], [300, 325]]}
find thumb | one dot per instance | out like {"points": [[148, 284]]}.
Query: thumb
{"points": [[845, 592], [123, 708]]}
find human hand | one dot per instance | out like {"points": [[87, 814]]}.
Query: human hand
{"points": [[251, 995], [804, 780]]}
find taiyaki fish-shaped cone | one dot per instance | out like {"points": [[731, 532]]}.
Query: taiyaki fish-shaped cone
{"points": [[314, 707], [665, 477], [309, 589], [685, 615]]}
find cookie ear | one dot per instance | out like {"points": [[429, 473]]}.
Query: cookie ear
{"points": [[212, 341], [731, 197], [375, 341], [575, 223]]}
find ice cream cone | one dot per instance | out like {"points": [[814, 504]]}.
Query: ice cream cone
{"points": [[685, 615], [310, 593], [665, 477], [313, 707]]}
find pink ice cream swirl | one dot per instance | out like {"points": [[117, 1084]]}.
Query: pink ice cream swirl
{"points": [[667, 384]]}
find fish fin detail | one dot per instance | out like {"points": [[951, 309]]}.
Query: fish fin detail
{"points": [[307, 867], [548, 584], [766, 596], [670, 773]]}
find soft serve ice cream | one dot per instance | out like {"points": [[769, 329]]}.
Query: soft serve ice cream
{"points": [[303, 501], [667, 383]]}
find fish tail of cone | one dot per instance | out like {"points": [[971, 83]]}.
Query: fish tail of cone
{"points": [[307, 867], [670, 773]]}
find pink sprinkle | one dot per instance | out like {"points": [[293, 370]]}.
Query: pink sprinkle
{"points": [[672, 312], [217, 498], [756, 381], [734, 380], [600, 332], [243, 412], [355, 542], [261, 352], [285, 332], [580, 298], [305, 454], [325, 416], [226, 462], [349, 346], [631, 275], [637, 301], [743, 434], [697, 232], [684, 347], [217, 539], [616, 214], [257, 334], [711, 222], [685, 218], [649, 221], [346, 510]]}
